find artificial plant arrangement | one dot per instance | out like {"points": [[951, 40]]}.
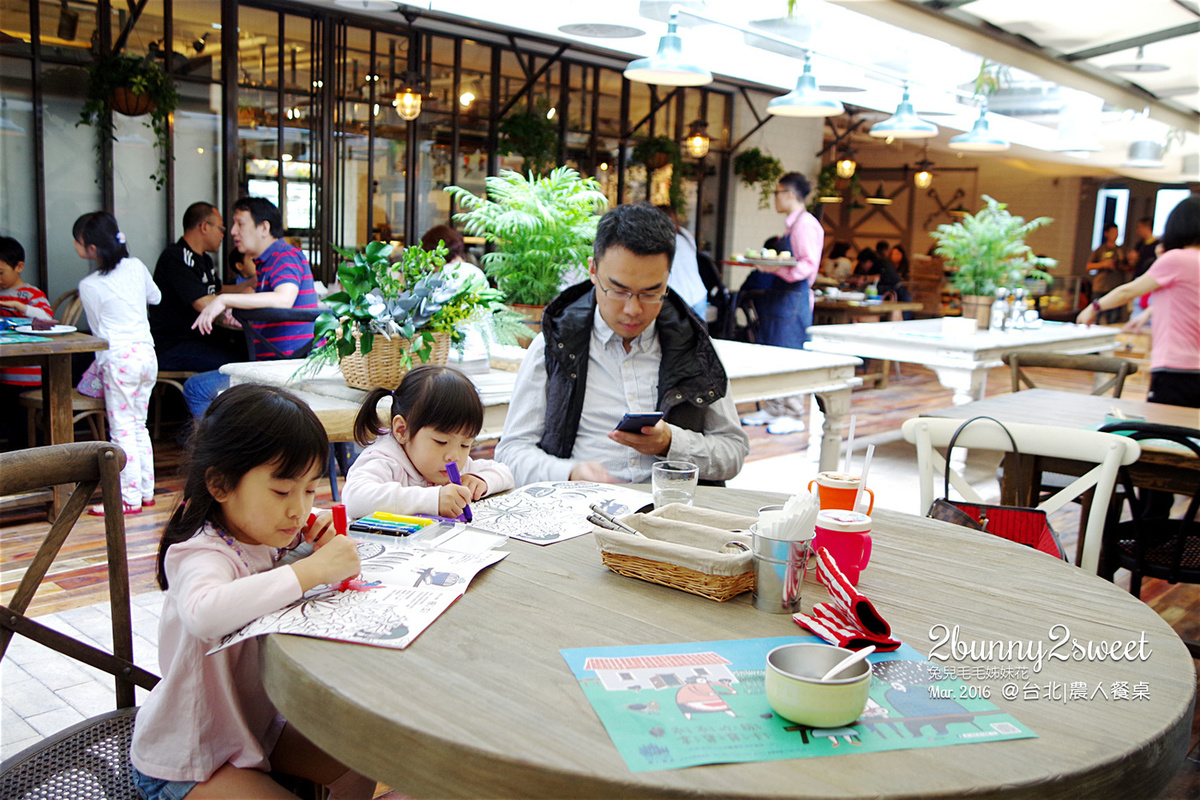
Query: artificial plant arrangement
{"points": [[658, 152], [757, 168], [409, 300], [988, 250], [543, 229], [531, 135], [132, 86]]}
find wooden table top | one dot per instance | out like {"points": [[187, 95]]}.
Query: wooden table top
{"points": [[863, 307], [55, 345], [483, 705]]}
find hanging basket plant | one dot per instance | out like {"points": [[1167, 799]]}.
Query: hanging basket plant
{"points": [[134, 87], [757, 168], [533, 136], [658, 152]]}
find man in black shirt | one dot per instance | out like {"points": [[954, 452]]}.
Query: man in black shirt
{"points": [[188, 280]]}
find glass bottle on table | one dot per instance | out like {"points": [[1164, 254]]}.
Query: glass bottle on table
{"points": [[998, 319]]}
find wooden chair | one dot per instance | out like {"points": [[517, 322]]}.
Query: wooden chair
{"points": [[68, 308], [1119, 368], [90, 759], [1106, 450], [1152, 543], [166, 378]]}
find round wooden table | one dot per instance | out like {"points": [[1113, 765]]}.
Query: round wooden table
{"points": [[483, 705]]}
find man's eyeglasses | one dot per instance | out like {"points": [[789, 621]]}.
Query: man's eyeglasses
{"points": [[645, 298]]}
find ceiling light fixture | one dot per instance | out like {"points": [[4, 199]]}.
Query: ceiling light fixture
{"points": [[979, 139], [408, 99], [1139, 64], [904, 124], [846, 165], [924, 175], [668, 67], [697, 142], [806, 100], [1144, 154], [879, 198]]}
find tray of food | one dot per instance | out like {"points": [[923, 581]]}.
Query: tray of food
{"points": [[766, 257]]}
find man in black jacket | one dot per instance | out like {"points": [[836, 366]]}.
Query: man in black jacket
{"points": [[622, 342]]}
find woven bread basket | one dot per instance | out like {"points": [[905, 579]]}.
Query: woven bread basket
{"points": [[682, 550], [384, 366]]}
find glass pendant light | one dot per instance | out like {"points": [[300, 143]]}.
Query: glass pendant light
{"points": [[923, 178], [904, 124], [697, 139], [846, 165], [806, 100]]}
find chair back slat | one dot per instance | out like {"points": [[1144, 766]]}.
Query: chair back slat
{"points": [[1119, 368]]}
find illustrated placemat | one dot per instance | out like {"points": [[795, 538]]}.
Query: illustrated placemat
{"points": [[548, 512], [8, 337], [681, 705], [401, 591]]}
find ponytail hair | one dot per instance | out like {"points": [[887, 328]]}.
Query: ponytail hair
{"points": [[245, 427], [428, 396], [100, 229]]}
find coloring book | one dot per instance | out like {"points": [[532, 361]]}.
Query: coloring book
{"points": [[544, 513], [403, 588]]}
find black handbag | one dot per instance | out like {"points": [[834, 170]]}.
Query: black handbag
{"points": [[1027, 526]]}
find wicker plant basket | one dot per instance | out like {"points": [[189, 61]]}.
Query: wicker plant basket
{"points": [[384, 366], [682, 550]]}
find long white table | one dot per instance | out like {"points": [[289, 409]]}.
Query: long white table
{"points": [[757, 372], [961, 362]]}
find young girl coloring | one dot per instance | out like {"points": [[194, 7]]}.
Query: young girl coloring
{"points": [[115, 298], [436, 415], [208, 729]]}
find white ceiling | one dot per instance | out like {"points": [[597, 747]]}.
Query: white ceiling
{"points": [[1044, 43]]}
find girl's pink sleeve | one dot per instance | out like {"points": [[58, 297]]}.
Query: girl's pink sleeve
{"points": [[213, 601], [375, 483], [499, 477]]}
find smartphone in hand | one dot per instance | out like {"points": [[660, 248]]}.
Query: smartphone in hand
{"points": [[633, 422]]}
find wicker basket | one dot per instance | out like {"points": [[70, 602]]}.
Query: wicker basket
{"points": [[682, 551], [384, 366]]}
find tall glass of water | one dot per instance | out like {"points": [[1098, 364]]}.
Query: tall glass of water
{"points": [[674, 482]]}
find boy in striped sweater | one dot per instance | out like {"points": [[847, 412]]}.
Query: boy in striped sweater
{"points": [[17, 299]]}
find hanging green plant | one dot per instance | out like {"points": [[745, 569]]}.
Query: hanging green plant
{"points": [[531, 135], [658, 152], [132, 86], [757, 168], [827, 180]]}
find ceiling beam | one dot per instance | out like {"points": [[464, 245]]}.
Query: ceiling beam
{"points": [[1137, 41], [988, 41]]}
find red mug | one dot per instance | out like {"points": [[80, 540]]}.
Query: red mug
{"points": [[847, 537], [838, 490]]}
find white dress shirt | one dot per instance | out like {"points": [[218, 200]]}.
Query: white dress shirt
{"points": [[617, 382]]}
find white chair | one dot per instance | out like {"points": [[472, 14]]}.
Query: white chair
{"points": [[1107, 451]]}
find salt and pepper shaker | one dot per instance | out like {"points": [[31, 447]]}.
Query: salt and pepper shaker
{"points": [[998, 319]]}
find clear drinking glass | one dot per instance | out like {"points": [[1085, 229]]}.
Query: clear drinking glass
{"points": [[674, 482]]}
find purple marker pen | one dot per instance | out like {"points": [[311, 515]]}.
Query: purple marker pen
{"points": [[452, 471]]}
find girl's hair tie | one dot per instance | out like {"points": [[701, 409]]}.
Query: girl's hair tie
{"points": [[120, 237]]}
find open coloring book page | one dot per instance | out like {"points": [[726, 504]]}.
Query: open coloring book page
{"points": [[401, 591], [544, 513]]}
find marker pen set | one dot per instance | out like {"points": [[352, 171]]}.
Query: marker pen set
{"points": [[391, 524]]}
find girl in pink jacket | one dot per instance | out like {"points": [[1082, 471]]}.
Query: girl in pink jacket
{"points": [[256, 458], [435, 416]]}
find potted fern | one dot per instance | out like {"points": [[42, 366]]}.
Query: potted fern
{"points": [[757, 168], [134, 87], [988, 251], [543, 229]]}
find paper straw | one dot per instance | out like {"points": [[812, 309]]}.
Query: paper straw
{"points": [[863, 480], [849, 445]]}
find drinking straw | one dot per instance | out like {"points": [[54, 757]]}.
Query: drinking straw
{"points": [[849, 444], [862, 481]]}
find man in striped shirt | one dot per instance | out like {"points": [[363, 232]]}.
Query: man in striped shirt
{"points": [[284, 281]]}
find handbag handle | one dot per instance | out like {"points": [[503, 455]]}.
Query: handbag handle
{"points": [[954, 438]]}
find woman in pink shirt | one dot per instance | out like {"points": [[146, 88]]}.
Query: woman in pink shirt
{"points": [[1173, 282], [208, 728]]}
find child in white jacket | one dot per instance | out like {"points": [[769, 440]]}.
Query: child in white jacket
{"points": [[436, 415]]}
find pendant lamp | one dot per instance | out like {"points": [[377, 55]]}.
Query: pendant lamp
{"points": [[904, 124], [879, 198], [806, 100], [979, 139], [668, 67], [697, 141]]}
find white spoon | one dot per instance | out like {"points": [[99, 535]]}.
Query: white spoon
{"points": [[849, 661]]}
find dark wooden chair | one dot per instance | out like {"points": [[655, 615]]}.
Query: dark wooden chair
{"points": [[90, 759], [1152, 543], [1119, 368]]}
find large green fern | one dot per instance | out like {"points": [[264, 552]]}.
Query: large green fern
{"points": [[988, 249], [543, 228]]}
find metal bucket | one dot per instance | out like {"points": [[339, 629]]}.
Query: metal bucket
{"points": [[779, 570]]}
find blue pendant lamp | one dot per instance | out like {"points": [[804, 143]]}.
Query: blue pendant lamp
{"points": [[806, 99], [668, 67], [904, 124], [979, 139]]}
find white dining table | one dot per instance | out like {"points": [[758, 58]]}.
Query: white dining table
{"points": [[961, 362], [756, 372]]}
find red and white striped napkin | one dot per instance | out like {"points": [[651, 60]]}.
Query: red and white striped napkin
{"points": [[849, 620]]}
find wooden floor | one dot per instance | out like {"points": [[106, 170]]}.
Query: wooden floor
{"points": [[78, 577]]}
